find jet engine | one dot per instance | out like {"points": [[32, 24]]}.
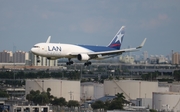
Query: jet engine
{"points": [[83, 57]]}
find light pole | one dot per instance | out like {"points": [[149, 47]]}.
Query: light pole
{"points": [[115, 90], [42, 85], [14, 85], [159, 105]]}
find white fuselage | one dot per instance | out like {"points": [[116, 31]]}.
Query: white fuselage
{"points": [[58, 50]]}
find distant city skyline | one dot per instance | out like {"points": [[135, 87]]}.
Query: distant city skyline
{"points": [[142, 56], [25, 23]]}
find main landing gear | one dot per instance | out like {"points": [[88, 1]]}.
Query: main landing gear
{"points": [[69, 62], [87, 63]]}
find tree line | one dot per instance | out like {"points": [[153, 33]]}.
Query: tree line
{"points": [[116, 103], [74, 75], [153, 76], [43, 98], [71, 75]]}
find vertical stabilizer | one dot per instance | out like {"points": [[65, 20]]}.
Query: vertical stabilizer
{"points": [[48, 40], [118, 38]]}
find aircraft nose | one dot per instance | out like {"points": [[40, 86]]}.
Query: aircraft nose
{"points": [[32, 50]]}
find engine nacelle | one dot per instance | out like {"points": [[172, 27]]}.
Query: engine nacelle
{"points": [[51, 58], [83, 57]]}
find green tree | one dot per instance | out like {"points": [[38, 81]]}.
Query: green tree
{"points": [[41, 99], [150, 76], [177, 75], [32, 94], [97, 105], [115, 104], [155, 75], [95, 79], [59, 101], [3, 94], [146, 77], [110, 78], [117, 77], [121, 97], [37, 97], [73, 103], [20, 75], [49, 94], [118, 102], [152, 110], [106, 105]]}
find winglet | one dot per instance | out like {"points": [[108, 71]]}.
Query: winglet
{"points": [[142, 44], [48, 40]]}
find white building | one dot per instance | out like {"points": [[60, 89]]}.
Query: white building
{"points": [[126, 59], [131, 89], [70, 90], [145, 55], [91, 91], [166, 101], [19, 57], [6, 57], [157, 59], [172, 87], [31, 59]]}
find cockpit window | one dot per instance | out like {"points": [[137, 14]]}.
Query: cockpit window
{"points": [[36, 46]]}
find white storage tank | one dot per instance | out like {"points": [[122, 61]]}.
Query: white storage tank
{"points": [[131, 89], [70, 90], [166, 101], [90, 90]]}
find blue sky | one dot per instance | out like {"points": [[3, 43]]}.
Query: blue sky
{"points": [[94, 22]]}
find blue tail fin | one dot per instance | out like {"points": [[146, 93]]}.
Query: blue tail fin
{"points": [[118, 38]]}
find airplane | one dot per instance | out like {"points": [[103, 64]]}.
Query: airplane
{"points": [[85, 53]]}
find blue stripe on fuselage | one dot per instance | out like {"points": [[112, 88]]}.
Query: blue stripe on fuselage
{"points": [[97, 48]]}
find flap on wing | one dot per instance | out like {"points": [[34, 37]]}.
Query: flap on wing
{"points": [[112, 52]]}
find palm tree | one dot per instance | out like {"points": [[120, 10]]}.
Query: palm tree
{"points": [[121, 97]]}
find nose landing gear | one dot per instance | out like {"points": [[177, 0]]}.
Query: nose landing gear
{"points": [[38, 60]]}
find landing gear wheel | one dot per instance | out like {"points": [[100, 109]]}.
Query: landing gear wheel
{"points": [[87, 63], [69, 62], [38, 61]]}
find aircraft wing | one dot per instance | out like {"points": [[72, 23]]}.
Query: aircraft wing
{"points": [[118, 51], [114, 52]]}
